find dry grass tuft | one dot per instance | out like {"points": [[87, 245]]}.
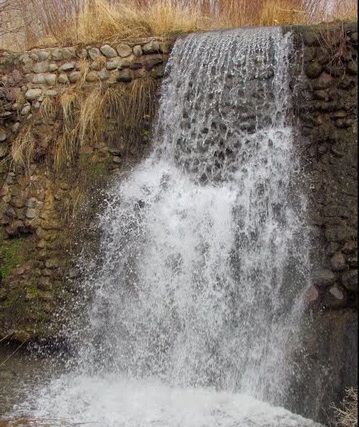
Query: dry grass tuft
{"points": [[28, 23], [23, 147], [347, 415]]}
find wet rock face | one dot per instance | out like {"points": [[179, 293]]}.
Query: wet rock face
{"points": [[324, 97], [44, 211]]}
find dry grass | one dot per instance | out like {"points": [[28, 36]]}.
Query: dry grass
{"points": [[23, 147], [28, 23], [84, 113], [35, 422], [347, 414]]}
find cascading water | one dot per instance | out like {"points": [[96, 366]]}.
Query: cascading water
{"points": [[197, 302]]}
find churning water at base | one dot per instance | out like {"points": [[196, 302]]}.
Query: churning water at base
{"points": [[196, 304]]}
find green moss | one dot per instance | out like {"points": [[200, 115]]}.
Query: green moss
{"points": [[12, 253], [91, 167]]}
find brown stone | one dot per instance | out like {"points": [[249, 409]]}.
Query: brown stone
{"points": [[313, 70], [323, 82], [311, 295], [335, 297], [337, 262], [349, 279], [323, 278]]}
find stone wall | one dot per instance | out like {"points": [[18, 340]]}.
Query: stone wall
{"points": [[45, 211], [48, 204], [325, 106]]}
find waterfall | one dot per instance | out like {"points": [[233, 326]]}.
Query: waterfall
{"points": [[196, 305]]}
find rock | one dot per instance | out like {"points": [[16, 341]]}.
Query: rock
{"points": [[108, 51], [337, 262], [92, 76], [44, 284], [56, 54], [104, 75], [354, 37], [335, 297], [26, 110], [21, 336], [30, 213], [40, 67], [352, 68], [165, 48], [124, 76], [323, 82], [32, 94], [53, 67], [313, 70], [137, 51], [38, 79], [311, 295], [310, 38], [75, 76], [321, 95], [51, 92], [43, 55], [94, 53], [3, 135], [339, 233], [123, 50], [323, 278], [52, 263], [151, 47], [50, 79], [16, 126], [68, 66], [349, 279], [112, 65], [69, 53]]}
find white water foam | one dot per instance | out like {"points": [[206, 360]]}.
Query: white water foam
{"points": [[196, 304]]}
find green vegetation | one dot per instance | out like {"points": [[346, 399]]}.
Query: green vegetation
{"points": [[12, 255]]}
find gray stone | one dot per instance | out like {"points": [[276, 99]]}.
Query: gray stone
{"points": [[108, 51], [56, 54], [40, 67], [324, 278], [92, 76], [16, 126], [34, 56], [354, 37], [335, 297], [104, 75], [75, 76], [123, 50], [151, 47], [32, 202], [313, 70], [30, 213], [26, 110], [32, 94], [50, 79], [53, 67], [94, 53], [124, 76], [311, 295], [43, 55], [51, 93], [323, 82], [352, 68], [68, 66], [349, 279], [165, 48], [63, 79], [69, 53], [137, 51], [337, 262], [38, 79], [112, 65]]}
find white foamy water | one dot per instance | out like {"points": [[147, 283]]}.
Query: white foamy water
{"points": [[197, 300], [113, 401]]}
